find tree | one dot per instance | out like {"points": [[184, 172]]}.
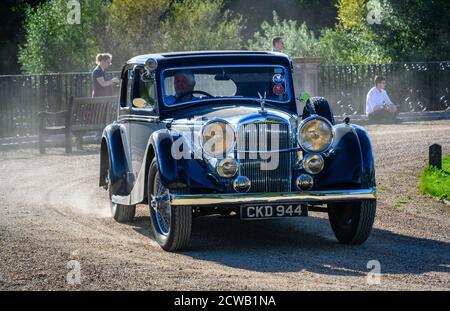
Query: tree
{"points": [[402, 30], [200, 25], [53, 44], [140, 27], [351, 13], [414, 30], [343, 46], [316, 14], [352, 40], [135, 27], [12, 13], [298, 40]]}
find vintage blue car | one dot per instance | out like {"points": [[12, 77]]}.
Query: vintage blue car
{"points": [[218, 132]]}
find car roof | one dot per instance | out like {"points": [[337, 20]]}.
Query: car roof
{"points": [[173, 57]]}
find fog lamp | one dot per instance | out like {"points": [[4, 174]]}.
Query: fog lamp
{"points": [[241, 184], [227, 167], [313, 163], [304, 182]]}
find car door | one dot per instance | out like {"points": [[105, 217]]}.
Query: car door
{"points": [[144, 120], [123, 120]]}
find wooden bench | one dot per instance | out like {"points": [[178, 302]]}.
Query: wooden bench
{"points": [[84, 114]]}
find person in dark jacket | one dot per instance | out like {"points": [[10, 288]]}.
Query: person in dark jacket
{"points": [[101, 85]]}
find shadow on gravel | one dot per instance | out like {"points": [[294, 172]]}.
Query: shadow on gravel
{"points": [[306, 244]]}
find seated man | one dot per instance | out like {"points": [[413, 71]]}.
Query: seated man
{"points": [[184, 82], [379, 106]]}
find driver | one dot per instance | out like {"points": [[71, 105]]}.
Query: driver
{"points": [[184, 82]]}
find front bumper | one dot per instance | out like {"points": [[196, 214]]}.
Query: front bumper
{"points": [[318, 197]]}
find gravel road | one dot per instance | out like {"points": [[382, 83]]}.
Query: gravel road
{"points": [[53, 216]]}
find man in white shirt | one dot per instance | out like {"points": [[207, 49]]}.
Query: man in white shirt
{"points": [[379, 106]]}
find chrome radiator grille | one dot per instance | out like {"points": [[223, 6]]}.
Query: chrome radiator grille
{"points": [[263, 137]]}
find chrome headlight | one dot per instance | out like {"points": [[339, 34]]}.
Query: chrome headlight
{"points": [[315, 134], [217, 138], [313, 163]]}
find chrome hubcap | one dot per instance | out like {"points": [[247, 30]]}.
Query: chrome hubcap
{"points": [[160, 203]]}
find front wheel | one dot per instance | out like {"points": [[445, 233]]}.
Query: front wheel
{"points": [[171, 225], [352, 222]]}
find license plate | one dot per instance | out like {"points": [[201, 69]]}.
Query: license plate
{"points": [[270, 211]]}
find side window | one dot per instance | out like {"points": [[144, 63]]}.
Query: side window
{"points": [[125, 89], [144, 92]]}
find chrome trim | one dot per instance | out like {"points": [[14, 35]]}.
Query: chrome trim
{"points": [[304, 178], [219, 165], [307, 157], [311, 117], [139, 118], [279, 179], [324, 196], [242, 184], [149, 65]]}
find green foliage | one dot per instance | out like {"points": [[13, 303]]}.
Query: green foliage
{"points": [[437, 182], [341, 46], [298, 40], [200, 25], [54, 45], [135, 27], [408, 30], [414, 30], [351, 13], [352, 41], [124, 28]]}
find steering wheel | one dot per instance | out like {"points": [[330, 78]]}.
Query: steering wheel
{"points": [[191, 93]]}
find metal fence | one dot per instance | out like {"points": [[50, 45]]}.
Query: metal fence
{"points": [[23, 96], [413, 87]]}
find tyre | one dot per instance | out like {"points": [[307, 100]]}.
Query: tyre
{"points": [[120, 213], [319, 106], [171, 226], [352, 222]]}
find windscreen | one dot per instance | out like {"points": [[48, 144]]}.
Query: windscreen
{"points": [[185, 85]]}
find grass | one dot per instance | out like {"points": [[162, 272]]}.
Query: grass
{"points": [[437, 182]]}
